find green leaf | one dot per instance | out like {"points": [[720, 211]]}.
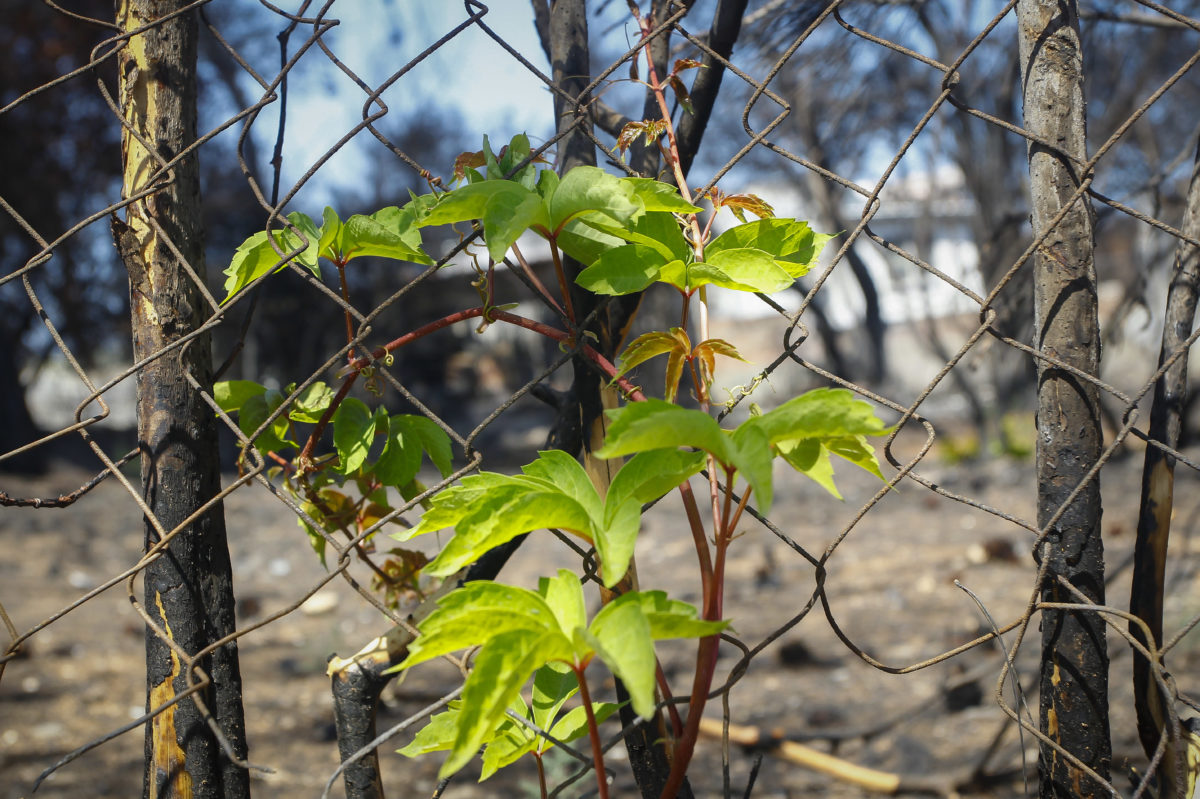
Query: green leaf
{"points": [[470, 202], [409, 436], [501, 668], [518, 150], [583, 242], [562, 471], [655, 195], [574, 724], [476, 613], [553, 685], [353, 434], [402, 222], [508, 215], [591, 189], [257, 256], [509, 744], [401, 457], [655, 424], [626, 269], [231, 394], [434, 441], [315, 539], [807, 429], [620, 634], [615, 541], [742, 269], [624, 630], [330, 243], [564, 596], [672, 618], [489, 509], [419, 206], [311, 404], [254, 411], [658, 231], [437, 735], [649, 475], [499, 519], [793, 244], [363, 236], [820, 413], [809, 457]]}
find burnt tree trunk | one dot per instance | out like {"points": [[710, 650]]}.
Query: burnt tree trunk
{"points": [[1157, 500], [188, 589], [1074, 660]]}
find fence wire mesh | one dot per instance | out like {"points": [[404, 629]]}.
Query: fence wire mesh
{"points": [[867, 626]]}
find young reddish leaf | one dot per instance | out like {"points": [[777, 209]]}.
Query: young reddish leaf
{"points": [[681, 93], [650, 129], [646, 346], [686, 63], [705, 353], [467, 161], [740, 203]]}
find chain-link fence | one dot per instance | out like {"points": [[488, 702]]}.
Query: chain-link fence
{"points": [[896, 629]]}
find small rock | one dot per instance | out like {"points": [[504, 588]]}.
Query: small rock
{"points": [[319, 603]]}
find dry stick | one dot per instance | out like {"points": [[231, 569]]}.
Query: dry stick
{"points": [[63, 500], [1154, 516]]}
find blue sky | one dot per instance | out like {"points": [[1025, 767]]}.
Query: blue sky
{"points": [[472, 74]]}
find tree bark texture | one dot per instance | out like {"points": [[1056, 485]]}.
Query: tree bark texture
{"points": [[1158, 486], [1074, 658], [188, 589]]}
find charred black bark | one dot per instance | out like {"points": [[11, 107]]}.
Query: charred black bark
{"points": [[1074, 664], [188, 589], [1158, 487]]}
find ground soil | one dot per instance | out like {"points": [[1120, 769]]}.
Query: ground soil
{"points": [[891, 586]]}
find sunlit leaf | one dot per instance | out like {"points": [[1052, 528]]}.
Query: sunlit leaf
{"points": [[501, 668], [648, 475], [353, 434], [658, 196], [474, 614], [591, 189], [564, 596], [257, 256], [311, 404], [363, 236], [793, 244], [231, 394], [626, 269]]}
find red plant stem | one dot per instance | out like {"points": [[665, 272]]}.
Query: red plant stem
{"points": [[706, 665], [661, 678], [341, 267], [705, 557], [541, 767], [534, 279], [351, 372], [305, 458], [593, 731], [495, 315], [562, 281]]}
